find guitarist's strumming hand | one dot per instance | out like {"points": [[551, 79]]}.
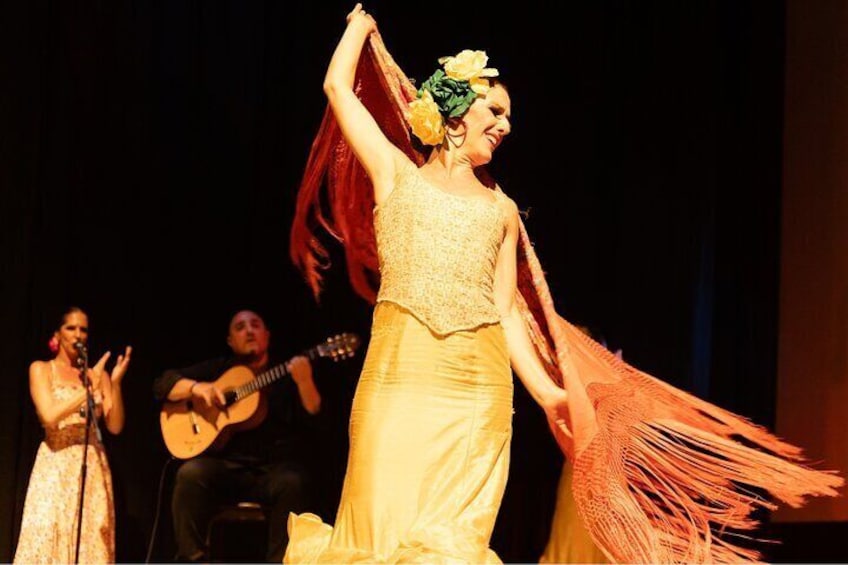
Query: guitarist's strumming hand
{"points": [[209, 394]]}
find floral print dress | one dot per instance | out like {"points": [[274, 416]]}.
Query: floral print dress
{"points": [[51, 510]]}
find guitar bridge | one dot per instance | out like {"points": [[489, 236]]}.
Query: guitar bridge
{"points": [[194, 427]]}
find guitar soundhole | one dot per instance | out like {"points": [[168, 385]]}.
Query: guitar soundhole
{"points": [[230, 396]]}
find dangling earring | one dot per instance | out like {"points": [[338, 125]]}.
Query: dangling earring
{"points": [[53, 344], [457, 139]]}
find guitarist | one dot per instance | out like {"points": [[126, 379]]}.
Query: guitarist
{"points": [[266, 464]]}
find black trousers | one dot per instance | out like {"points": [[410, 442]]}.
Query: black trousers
{"points": [[203, 484]]}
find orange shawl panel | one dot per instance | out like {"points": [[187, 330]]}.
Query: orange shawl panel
{"points": [[659, 474]]}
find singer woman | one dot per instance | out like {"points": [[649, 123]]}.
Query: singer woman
{"points": [[52, 507]]}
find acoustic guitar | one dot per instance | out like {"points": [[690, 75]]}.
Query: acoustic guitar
{"points": [[191, 428]]}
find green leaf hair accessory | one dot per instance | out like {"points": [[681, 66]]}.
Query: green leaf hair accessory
{"points": [[453, 97], [449, 93]]}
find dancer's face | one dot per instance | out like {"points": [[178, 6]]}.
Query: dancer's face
{"points": [[486, 123]]}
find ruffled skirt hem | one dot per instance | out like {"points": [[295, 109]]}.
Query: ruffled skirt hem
{"points": [[310, 542]]}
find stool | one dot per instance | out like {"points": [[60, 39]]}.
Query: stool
{"points": [[238, 533]]}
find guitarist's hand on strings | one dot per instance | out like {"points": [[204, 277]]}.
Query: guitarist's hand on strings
{"points": [[209, 394], [300, 369]]}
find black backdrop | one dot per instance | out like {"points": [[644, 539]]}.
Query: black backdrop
{"points": [[150, 153]]}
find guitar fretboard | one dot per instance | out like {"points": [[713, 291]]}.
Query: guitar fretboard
{"points": [[262, 380], [339, 347]]}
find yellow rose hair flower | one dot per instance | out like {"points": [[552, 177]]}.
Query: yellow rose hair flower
{"points": [[468, 65], [426, 120], [448, 93]]}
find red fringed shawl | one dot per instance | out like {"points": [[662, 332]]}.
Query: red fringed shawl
{"points": [[660, 475]]}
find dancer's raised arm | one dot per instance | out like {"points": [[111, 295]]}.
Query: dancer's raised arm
{"points": [[372, 148]]}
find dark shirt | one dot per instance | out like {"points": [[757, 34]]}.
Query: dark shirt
{"points": [[287, 431]]}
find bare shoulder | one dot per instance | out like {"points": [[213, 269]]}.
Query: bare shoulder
{"points": [[38, 368], [509, 206]]}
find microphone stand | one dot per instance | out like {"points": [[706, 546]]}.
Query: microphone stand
{"points": [[90, 421]]}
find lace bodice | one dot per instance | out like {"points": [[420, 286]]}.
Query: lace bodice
{"points": [[438, 251]]}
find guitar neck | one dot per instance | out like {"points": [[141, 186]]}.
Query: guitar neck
{"points": [[269, 376]]}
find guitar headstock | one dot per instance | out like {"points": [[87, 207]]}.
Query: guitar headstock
{"points": [[339, 346]]}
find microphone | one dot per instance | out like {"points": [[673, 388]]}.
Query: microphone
{"points": [[82, 353]]}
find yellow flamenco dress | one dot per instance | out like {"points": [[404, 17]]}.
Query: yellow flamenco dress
{"points": [[569, 541], [431, 418]]}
